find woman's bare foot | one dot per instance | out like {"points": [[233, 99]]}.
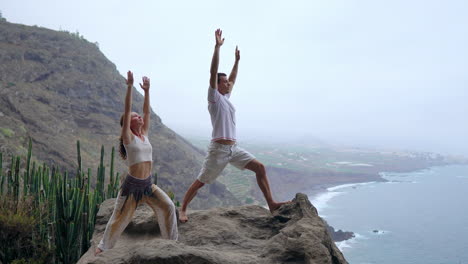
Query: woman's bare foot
{"points": [[98, 251], [183, 216], [275, 206]]}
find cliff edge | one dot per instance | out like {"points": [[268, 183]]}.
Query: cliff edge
{"points": [[242, 234]]}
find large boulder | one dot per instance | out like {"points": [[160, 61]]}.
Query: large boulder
{"points": [[243, 234]]}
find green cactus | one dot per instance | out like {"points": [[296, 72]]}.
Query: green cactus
{"points": [[78, 155], [16, 180], [2, 175], [27, 178], [110, 189], [68, 206]]}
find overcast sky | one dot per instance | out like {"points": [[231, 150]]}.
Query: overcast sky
{"points": [[366, 73]]}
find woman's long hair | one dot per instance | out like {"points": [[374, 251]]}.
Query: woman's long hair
{"points": [[123, 152]]}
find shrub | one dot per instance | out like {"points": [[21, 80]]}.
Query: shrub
{"points": [[19, 237], [7, 132]]}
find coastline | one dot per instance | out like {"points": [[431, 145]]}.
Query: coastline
{"points": [[378, 177], [320, 197], [403, 215]]}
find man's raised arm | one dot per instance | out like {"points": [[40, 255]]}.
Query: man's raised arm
{"points": [[233, 75], [215, 59]]}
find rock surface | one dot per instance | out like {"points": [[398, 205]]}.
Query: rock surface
{"points": [[243, 234], [339, 235]]}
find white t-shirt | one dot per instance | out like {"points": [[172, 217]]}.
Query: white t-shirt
{"points": [[223, 115]]}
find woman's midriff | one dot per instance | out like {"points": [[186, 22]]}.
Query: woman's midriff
{"points": [[140, 170]]}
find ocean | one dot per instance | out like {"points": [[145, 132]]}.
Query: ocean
{"points": [[414, 218]]}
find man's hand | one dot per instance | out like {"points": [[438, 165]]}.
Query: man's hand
{"points": [[219, 38], [129, 78], [146, 84], [237, 54]]}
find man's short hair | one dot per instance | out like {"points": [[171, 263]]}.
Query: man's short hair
{"points": [[221, 74]]}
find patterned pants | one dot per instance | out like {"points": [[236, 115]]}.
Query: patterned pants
{"points": [[125, 208]]}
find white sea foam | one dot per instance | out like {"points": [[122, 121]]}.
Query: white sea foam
{"points": [[343, 244], [361, 165], [399, 181], [332, 189], [418, 173], [349, 163], [321, 200], [350, 242], [359, 236]]}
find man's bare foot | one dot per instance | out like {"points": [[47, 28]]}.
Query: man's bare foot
{"points": [[275, 206], [183, 216], [98, 251]]}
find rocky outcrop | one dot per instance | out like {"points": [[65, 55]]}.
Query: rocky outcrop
{"points": [[57, 88], [244, 234], [339, 235]]}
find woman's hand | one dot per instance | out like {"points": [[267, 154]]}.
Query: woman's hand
{"points": [[146, 84], [129, 79]]}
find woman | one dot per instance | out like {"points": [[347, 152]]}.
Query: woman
{"points": [[137, 187]]}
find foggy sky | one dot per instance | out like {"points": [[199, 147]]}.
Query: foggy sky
{"points": [[365, 73]]}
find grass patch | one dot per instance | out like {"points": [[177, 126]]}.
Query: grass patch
{"points": [[6, 132]]}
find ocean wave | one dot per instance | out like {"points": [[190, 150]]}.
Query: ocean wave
{"points": [[418, 173], [398, 181], [332, 189], [321, 200], [350, 242], [343, 244]]}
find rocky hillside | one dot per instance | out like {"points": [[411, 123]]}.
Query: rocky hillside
{"points": [[244, 234], [58, 88]]}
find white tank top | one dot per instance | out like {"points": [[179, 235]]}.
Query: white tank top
{"points": [[139, 151]]}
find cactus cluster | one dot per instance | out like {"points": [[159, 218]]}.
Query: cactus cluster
{"points": [[68, 204]]}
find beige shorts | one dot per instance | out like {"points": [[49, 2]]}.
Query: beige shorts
{"points": [[218, 157]]}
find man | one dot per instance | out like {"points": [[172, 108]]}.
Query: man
{"points": [[223, 148]]}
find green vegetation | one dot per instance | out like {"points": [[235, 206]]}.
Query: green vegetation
{"points": [[171, 195], [75, 35], [6, 132], [49, 215], [18, 222]]}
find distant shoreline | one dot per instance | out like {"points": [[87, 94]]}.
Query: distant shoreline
{"points": [[321, 196], [321, 188]]}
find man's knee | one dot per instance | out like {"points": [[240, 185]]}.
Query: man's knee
{"points": [[261, 168]]}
